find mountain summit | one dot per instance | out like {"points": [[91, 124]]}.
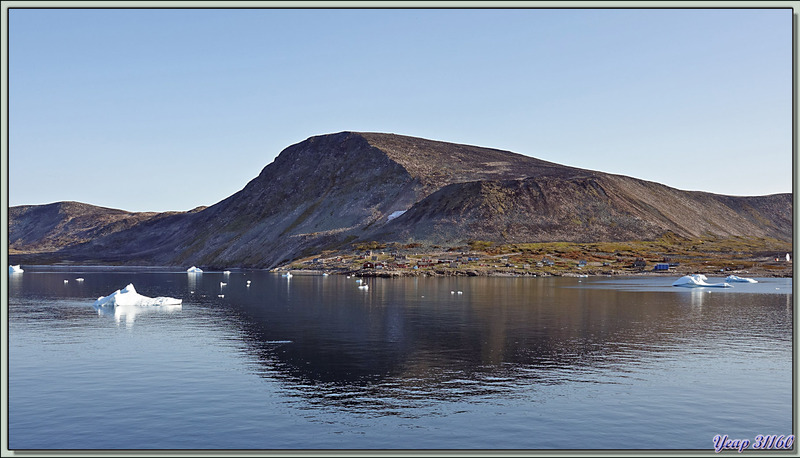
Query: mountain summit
{"points": [[332, 190]]}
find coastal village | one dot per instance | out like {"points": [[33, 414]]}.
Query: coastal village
{"points": [[670, 255]]}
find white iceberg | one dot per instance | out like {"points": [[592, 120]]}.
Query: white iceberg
{"points": [[15, 269], [128, 296], [698, 281], [734, 278], [194, 270], [395, 214]]}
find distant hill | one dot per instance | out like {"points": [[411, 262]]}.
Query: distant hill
{"points": [[332, 190], [43, 228]]}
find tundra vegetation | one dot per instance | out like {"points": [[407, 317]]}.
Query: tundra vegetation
{"points": [[710, 255]]}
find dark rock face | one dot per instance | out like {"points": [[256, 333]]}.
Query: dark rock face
{"points": [[331, 190]]}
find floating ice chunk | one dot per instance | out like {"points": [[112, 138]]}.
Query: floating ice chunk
{"points": [[15, 269], [128, 296], [287, 275], [395, 214], [79, 279], [698, 280], [734, 278], [226, 272], [194, 270]]}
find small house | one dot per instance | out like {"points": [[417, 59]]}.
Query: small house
{"points": [[661, 266], [369, 265], [639, 263]]}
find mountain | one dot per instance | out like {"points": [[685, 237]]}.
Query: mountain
{"points": [[42, 228], [332, 190], [586, 208]]}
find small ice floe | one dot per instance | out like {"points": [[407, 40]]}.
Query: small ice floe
{"points": [[222, 283], [15, 269], [128, 296], [359, 280], [287, 275], [324, 274], [248, 282], [194, 270], [79, 279], [734, 278], [226, 272], [460, 292], [128, 304], [66, 281], [697, 281], [395, 215], [220, 295], [452, 292], [363, 287]]}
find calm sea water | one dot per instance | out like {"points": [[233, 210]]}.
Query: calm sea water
{"points": [[314, 362]]}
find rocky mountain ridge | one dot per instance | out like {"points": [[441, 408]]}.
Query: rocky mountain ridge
{"points": [[330, 191]]}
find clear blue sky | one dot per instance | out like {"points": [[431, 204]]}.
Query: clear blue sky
{"points": [[154, 110]]}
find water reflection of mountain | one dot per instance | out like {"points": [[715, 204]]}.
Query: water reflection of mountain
{"points": [[390, 344]]}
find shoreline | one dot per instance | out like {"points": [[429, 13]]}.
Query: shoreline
{"points": [[446, 272], [389, 273]]}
